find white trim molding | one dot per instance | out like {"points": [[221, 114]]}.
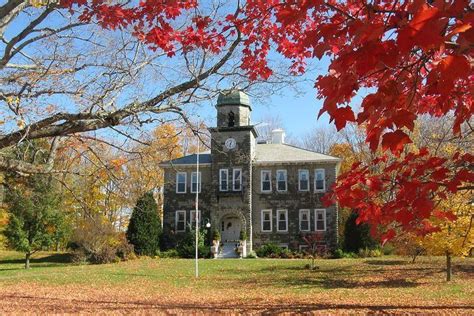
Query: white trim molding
{"points": [[239, 177], [226, 172], [308, 219], [323, 212], [285, 177], [278, 221], [262, 221], [177, 220], [303, 171], [269, 180], [198, 180], [192, 217], [185, 181], [323, 172]]}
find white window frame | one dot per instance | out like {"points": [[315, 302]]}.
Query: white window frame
{"points": [[300, 171], [233, 179], [316, 211], [226, 171], [192, 217], [308, 211], [185, 181], [271, 221], [286, 179], [284, 246], [261, 180], [278, 221], [199, 179], [176, 220], [303, 248], [316, 178]]}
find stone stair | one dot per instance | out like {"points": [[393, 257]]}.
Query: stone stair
{"points": [[228, 251]]}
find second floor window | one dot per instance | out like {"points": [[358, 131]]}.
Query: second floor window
{"points": [[223, 180], [237, 180], [319, 180], [181, 182], [281, 180], [266, 179], [303, 180], [195, 182]]}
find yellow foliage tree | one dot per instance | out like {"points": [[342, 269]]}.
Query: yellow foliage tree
{"points": [[454, 238]]}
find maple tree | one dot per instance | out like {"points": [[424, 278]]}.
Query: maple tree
{"points": [[414, 58]]}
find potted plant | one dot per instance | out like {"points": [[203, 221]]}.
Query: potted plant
{"points": [[216, 236], [241, 249]]}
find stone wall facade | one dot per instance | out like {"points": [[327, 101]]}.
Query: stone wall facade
{"points": [[234, 146], [249, 203]]}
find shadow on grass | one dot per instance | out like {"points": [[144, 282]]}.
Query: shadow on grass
{"points": [[464, 268], [48, 304], [377, 262], [53, 260]]}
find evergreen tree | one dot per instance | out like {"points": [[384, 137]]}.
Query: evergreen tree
{"points": [[357, 236], [33, 215], [144, 229]]}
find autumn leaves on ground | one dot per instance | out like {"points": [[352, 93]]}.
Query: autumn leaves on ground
{"points": [[389, 284]]}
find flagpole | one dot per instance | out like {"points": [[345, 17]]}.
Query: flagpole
{"points": [[198, 187]]}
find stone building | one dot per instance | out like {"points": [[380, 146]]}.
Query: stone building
{"points": [[270, 191]]}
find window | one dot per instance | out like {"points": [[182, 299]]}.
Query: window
{"points": [[192, 218], [266, 220], [181, 182], [223, 180], [320, 219], [266, 181], [281, 180], [303, 180], [304, 221], [319, 181], [195, 182], [231, 119], [282, 220], [303, 248], [237, 180], [180, 221]]}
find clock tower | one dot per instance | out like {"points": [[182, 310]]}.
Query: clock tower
{"points": [[233, 150]]}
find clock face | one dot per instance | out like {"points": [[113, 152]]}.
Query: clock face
{"points": [[230, 143]]}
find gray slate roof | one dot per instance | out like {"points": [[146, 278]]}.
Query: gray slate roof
{"points": [[272, 153], [204, 158], [265, 153]]}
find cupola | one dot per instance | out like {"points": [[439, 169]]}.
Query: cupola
{"points": [[233, 109]]}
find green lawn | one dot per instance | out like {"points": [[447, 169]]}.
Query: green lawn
{"points": [[255, 285]]}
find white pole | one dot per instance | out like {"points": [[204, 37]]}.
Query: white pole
{"points": [[198, 187]]}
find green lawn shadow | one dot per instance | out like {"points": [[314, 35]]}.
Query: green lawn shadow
{"points": [[52, 260]]}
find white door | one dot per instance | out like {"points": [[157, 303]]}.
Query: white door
{"points": [[230, 229]]}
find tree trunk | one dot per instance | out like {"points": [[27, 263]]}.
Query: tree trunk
{"points": [[27, 260], [449, 269]]}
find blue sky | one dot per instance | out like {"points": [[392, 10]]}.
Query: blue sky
{"points": [[298, 112]]}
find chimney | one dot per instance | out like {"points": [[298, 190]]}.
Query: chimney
{"points": [[278, 136]]}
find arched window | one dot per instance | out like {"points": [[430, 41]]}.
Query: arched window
{"points": [[231, 119]]}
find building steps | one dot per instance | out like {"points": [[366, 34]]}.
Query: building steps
{"points": [[228, 251]]}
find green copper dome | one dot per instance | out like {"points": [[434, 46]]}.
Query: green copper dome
{"points": [[233, 97]]}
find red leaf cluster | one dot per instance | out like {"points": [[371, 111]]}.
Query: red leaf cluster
{"points": [[414, 57], [401, 193]]}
